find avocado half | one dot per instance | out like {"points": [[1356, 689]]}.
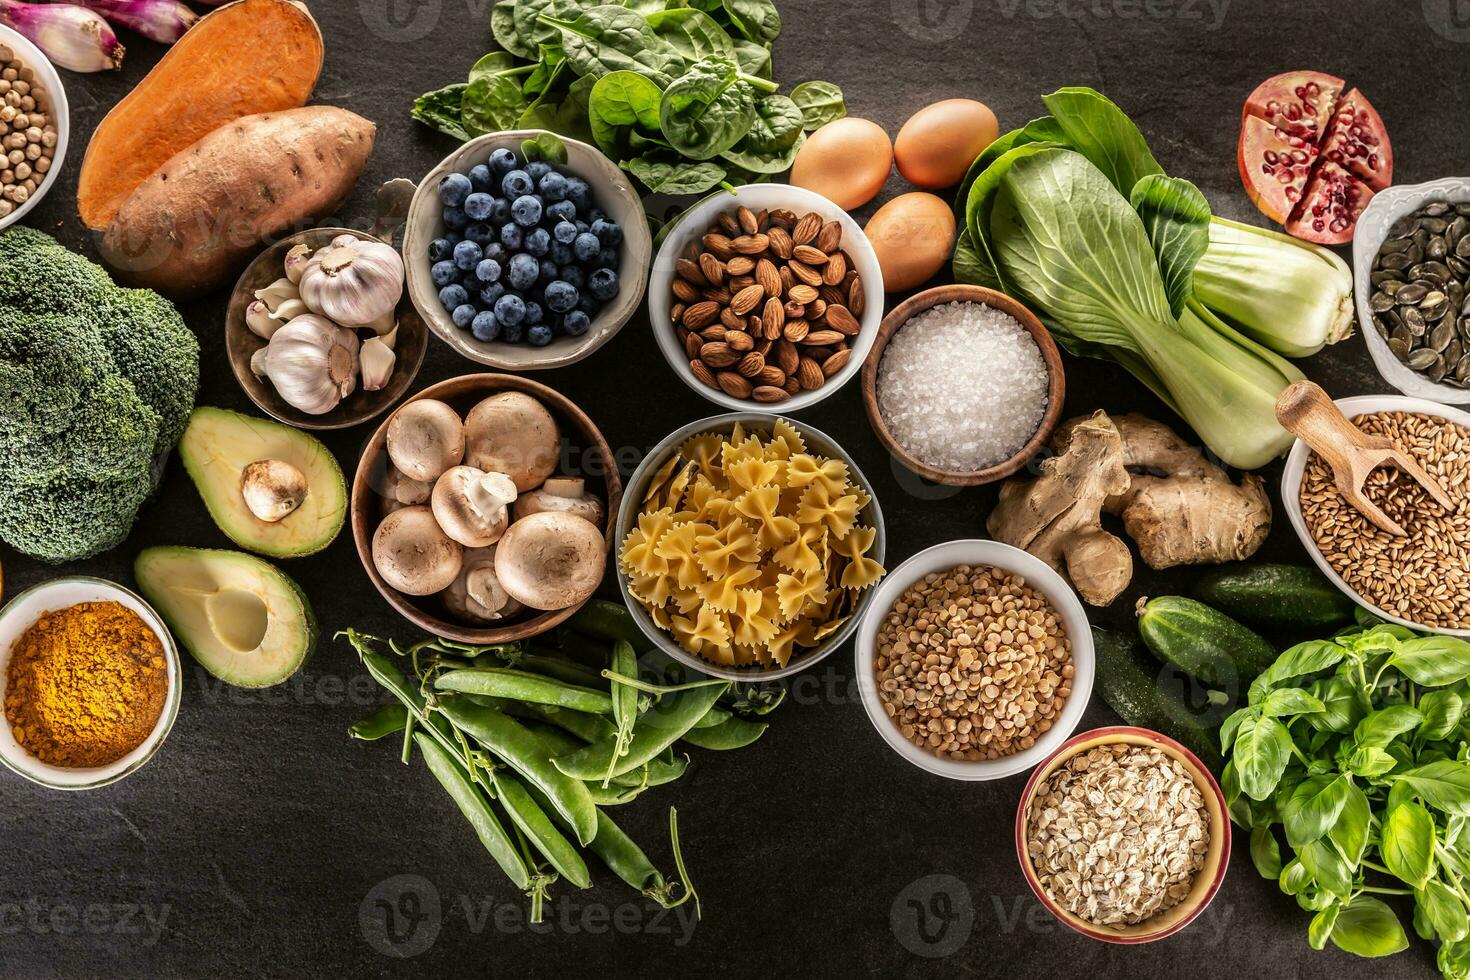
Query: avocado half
{"points": [[216, 448], [243, 619]]}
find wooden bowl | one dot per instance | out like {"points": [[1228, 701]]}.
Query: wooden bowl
{"points": [[1217, 857], [585, 453], [1056, 381], [356, 408]]}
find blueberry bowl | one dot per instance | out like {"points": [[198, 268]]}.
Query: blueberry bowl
{"points": [[504, 219]]}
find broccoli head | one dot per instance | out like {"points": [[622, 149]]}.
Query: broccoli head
{"points": [[96, 386]]}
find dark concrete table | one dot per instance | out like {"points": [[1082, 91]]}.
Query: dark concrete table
{"points": [[261, 841]]}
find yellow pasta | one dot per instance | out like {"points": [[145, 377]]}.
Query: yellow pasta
{"points": [[750, 546]]}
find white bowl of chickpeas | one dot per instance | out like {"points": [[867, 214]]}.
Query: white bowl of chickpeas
{"points": [[974, 660], [34, 122]]}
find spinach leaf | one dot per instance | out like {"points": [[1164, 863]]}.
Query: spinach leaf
{"points": [[532, 30], [1177, 218], [820, 103], [440, 110], [1444, 785], [1443, 909], [620, 101], [707, 110], [1369, 928], [777, 125], [675, 177], [753, 59], [761, 162], [1433, 661], [1313, 808], [503, 28], [758, 20], [492, 103], [1265, 852], [693, 33], [1407, 843], [545, 146], [609, 38], [494, 63]]}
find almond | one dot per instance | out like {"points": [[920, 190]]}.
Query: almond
{"points": [[747, 299], [720, 245], [740, 342], [787, 357], [719, 295], [787, 279], [737, 283], [692, 344], [733, 384], [751, 364], [783, 218], [808, 275], [832, 294], [711, 269], [816, 310], [807, 228], [857, 301], [700, 315], [830, 237], [751, 244], [772, 330], [769, 393], [718, 354], [781, 243], [835, 270], [702, 373], [746, 218], [764, 348], [809, 255], [821, 338], [731, 320], [772, 375], [792, 386], [676, 313], [795, 310], [802, 293], [809, 374], [840, 318], [836, 362], [762, 218], [773, 314], [740, 265], [685, 291], [728, 224], [690, 271], [796, 330], [715, 331]]}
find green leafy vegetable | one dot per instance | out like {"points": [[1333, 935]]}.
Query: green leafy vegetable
{"points": [[820, 103], [441, 110], [707, 110]]}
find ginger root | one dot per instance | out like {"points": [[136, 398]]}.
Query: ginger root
{"points": [[1177, 506]]}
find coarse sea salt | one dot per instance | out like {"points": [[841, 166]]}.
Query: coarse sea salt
{"points": [[962, 386]]}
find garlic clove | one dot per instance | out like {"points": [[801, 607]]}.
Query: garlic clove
{"points": [[385, 324], [290, 309], [257, 362], [276, 293], [296, 261], [377, 360], [341, 240], [259, 320], [390, 339]]}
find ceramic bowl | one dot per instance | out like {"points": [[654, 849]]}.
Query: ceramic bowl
{"points": [[1206, 883], [611, 191], [409, 346], [44, 73], [18, 616], [1296, 465], [1056, 381], [585, 454], [818, 442], [1387, 207], [692, 225], [1038, 575]]}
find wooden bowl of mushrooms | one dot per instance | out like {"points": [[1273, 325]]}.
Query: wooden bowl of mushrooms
{"points": [[480, 508]]}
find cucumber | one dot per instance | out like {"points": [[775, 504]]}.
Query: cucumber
{"points": [[1129, 682], [1283, 596], [1204, 643]]}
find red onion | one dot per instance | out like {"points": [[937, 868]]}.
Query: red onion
{"points": [[164, 21], [71, 36]]}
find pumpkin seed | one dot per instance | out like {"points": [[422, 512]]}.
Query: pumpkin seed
{"points": [[1380, 302], [1398, 261], [1462, 369], [1437, 209], [1441, 336], [1400, 348], [1402, 227], [1453, 351], [1423, 358], [1438, 248], [1411, 294], [1414, 321]]}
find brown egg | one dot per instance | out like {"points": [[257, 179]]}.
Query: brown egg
{"points": [[846, 161], [913, 235], [939, 142]]}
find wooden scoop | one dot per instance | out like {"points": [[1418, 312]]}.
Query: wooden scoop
{"points": [[1306, 412]]}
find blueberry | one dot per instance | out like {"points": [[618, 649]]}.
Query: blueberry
{"points": [[606, 259], [595, 215], [443, 272], [573, 276], [608, 232], [491, 294], [576, 323], [579, 193], [561, 211], [484, 326], [586, 246], [538, 169], [463, 315], [480, 233], [538, 241], [510, 310], [564, 232], [497, 251], [454, 188], [540, 335], [550, 272], [534, 314], [524, 270], [512, 334], [478, 206], [467, 255], [562, 254], [454, 219], [561, 296], [488, 270], [527, 210], [452, 296], [603, 284], [582, 226], [516, 183], [510, 236], [553, 187], [499, 211], [440, 249], [503, 162]]}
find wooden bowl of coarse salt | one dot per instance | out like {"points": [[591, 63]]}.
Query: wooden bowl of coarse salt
{"points": [[963, 384]]}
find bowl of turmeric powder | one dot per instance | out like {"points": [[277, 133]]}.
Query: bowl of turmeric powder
{"points": [[89, 683]]}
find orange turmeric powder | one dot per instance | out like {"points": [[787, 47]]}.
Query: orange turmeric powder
{"points": [[85, 685]]}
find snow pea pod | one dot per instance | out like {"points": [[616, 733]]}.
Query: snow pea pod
{"points": [[519, 747], [387, 720], [656, 773], [563, 668], [537, 826], [520, 685], [589, 728], [607, 621], [386, 673], [734, 733], [614, 795], [475, 807], [713, 717], [660, 727]]}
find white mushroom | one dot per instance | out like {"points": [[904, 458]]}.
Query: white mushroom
{"points": [[413, 554], [550, 560], [401, 490], [514, 434], [425, 438], [272, 489], [563, 495], [473, 507], [476, 595]]}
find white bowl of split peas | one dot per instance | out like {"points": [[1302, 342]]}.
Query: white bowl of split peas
{"points": [[28, 85]]}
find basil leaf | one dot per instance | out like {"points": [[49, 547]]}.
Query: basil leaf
{"points": [[1350, 831], [1327, 868], [1313, 807], [1407, 843], [1262, 750], [1369, 761], [1341, 707], [1177, 218], [1299, 661], [1369, 928], [1442, 711], [1288, 700], [1386, 724], [1321, 926], [1444, 785], [820, 103], [1294, 877], [1231, 726], [1433, 661], [1265, 852], [1443, 909]]}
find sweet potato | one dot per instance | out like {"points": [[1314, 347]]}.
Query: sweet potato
{"points": [[207, 211], [249, 57]]}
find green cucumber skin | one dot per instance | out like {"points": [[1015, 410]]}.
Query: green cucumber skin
{"points": [[1130, 687], [1286, 596], [1203, 642]]}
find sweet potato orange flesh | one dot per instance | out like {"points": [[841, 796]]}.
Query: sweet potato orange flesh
{"points": [[249, 57]]}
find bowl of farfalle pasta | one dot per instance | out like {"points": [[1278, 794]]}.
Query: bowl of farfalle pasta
{"points": [[748, 545]]}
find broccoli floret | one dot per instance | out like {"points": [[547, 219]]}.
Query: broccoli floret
{"points": [[96, 386]]}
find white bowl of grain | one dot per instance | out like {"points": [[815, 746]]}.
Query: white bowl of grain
{"points": [[36, 72], [978, 554], [1430, 583]]}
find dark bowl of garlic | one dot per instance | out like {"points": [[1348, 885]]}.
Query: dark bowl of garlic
{"points": [[34, 124], [320, 331]]}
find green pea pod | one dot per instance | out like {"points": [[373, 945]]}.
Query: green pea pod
{"points": [[537, 826], [475, 807], [607, 621], [386, 673], [562, 668], [589, 728], [613, 795], [734, 733], [520, 685], [617, 850], [659, 728], [713, 718], [559, 742], [624, 697], [528, 755], [586, 650], [387, 720]]}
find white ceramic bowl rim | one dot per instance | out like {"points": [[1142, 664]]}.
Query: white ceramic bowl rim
{"points": [[59, 109], [758, 197], [977, 552], [632, 503], [18, 615], [1295, 468]]}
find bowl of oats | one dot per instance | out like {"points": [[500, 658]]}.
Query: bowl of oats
{"points": [[1123, 835]]}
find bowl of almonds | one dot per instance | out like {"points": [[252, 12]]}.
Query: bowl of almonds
{"points": [[771, 295]]}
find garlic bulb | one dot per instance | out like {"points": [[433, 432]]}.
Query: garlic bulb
{"points": [[312, 363], [296, 261], [276, 294], [260, 321], [377, 363], [353, 283]]}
